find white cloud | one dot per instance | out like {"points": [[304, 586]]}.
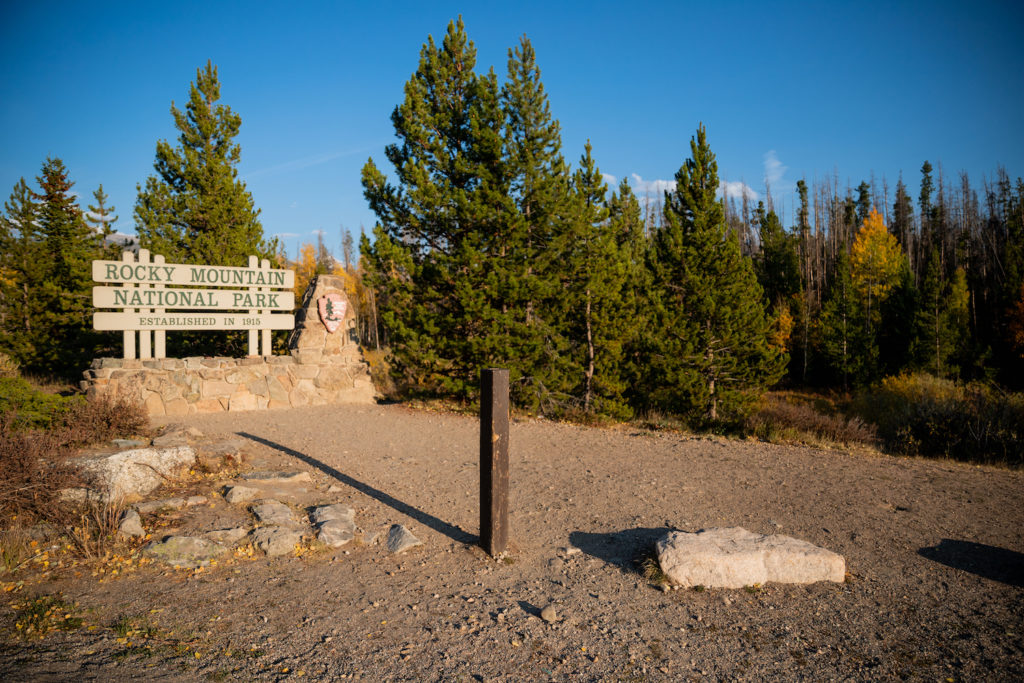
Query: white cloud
{"points": [[737, 189], [653, 187], [775, 172], [610, 179]]}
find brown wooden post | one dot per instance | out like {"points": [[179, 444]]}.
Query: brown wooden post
{"points": [[494, 460]]}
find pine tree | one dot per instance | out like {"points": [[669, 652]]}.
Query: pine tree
{"points": [[778, 264], [941, 322], [22, 269], [529, 263], [437, 228], [846, 347], [100, 217], [595, 269], [47, 255], [195, 210], [710, 341], [626, 222]]}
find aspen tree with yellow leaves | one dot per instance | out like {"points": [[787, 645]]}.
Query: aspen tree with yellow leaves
{"points": [[875, 261]]}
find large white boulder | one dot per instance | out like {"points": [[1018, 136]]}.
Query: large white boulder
{"points": [[734, 557], [131, 475]]}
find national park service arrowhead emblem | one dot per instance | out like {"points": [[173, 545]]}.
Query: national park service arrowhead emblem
{"points": [[332, 310]]}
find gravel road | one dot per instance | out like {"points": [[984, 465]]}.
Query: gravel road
{"points": [[934, 552]]}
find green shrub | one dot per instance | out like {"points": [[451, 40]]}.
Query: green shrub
{"points": [[33, 409], [918, 414]]}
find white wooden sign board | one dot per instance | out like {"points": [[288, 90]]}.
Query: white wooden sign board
{"points": [[149, 308]]}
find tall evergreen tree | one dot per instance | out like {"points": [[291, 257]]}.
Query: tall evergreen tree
{"points": [[46, 263], [438, 289], [23, 267], [101, 216], [626, 222], [595, 268], [778, 264], [710, 340], [847, 348], [539, 182], [195, 209]]}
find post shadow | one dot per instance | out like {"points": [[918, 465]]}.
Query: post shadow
{"points": [[990, 562], [424, 518], [620, 548]]}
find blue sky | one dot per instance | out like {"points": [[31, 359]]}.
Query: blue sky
{"points": [[787, 90]]}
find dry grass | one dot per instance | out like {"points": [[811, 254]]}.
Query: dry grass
{"points": [[93, 533], [34, 468], [786, 419]]}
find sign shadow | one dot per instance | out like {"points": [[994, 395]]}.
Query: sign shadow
{"points": [[424, 518], [990, 562]]}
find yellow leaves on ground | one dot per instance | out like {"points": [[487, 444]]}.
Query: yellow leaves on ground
{"points": [[875, 259]]}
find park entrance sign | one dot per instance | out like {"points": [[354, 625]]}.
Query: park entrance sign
{"points": [[154, 296]]}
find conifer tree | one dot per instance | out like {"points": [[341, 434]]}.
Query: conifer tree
{"points": [[710, 340], [101, 217], [941, 322], [47, 255], [529, 264], [437, 228], [846, 347], [22, 269], [597, 314], [195, 209], [626, 223], [778, 265]]}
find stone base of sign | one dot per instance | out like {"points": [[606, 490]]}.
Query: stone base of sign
{"points": [[183, 386], [323, 368]]}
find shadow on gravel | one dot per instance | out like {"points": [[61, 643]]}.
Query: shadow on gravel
{"points": [[990, 562], [428, 520], [624, 549]]}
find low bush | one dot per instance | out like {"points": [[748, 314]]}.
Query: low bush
{"points": [[784, 420], [33, 409], [33, 470], [39, 433], [918, 414]]}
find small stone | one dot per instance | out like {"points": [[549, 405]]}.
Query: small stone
{"points": [[184, 551], [228, 536], [556, 564], [151, 506], [549, 614], [240, 494], [129, 443], [196, 500], [370, 537], [275, 541], [277, 478], [171, 439], [334, 488], [336, 532], [273, 513], [328, 513], [401, 539], [131, 525]]}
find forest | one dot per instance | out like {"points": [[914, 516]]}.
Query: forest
{"points": [[491, 249]]}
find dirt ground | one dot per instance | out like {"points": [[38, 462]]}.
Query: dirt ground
{"points": [[934, 553]]}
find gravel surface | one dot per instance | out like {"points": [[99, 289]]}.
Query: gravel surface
{"points": [[934, 553]]}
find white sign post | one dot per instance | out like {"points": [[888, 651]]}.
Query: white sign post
{"points": [[156, 296]]}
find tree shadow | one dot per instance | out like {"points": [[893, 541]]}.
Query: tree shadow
{"points": [[424, 518], [624, 549], [990, 562]]}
